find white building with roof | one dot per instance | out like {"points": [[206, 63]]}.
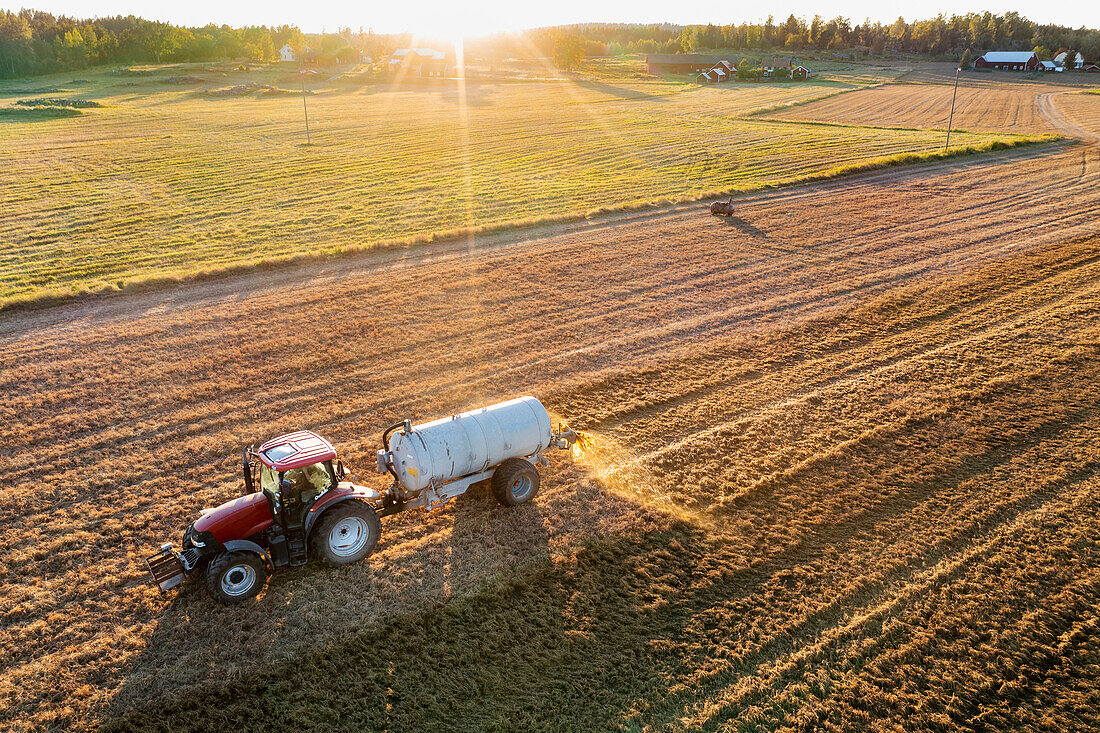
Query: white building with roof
{"points": [[425, 62], [411, 55], [1078, 62]]}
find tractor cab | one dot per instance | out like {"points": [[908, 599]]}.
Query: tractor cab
{"points": [[294, 470]]}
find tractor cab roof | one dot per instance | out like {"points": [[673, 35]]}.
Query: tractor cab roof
{"points": [[295, 450]]}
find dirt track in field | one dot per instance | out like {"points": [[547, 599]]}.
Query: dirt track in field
{"points": [[874, 389]]}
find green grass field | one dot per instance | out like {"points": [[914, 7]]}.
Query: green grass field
{"points": [[168, 181]]}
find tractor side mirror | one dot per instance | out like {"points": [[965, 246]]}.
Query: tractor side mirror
{"points": [[340, 472]]}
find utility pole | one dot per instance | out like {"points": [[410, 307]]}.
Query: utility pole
{"points": [[951, 118], [305, 111]]}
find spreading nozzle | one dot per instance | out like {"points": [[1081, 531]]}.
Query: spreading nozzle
{"points": [[563, 438]]}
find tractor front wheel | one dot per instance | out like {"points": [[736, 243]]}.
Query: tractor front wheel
{"points": [[232, 577], [346, 533], [515, 482]]}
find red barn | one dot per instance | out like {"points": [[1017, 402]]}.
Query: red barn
{"points": [[1009, 61]]}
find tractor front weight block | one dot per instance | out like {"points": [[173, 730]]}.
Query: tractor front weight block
{"points": [[167, 568]]}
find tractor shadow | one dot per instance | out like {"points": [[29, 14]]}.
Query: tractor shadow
{"points": [[619, 608], [424, 560], [425, 565]]}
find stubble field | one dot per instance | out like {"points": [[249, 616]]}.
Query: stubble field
{"points": [[168, 180], [842, 473], [982, 108]]}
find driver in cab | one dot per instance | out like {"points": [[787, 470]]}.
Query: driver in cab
{"points": [[300, 487]]}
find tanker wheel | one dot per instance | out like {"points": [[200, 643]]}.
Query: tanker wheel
{"points": [[346, 533], [232, 577], [515, 482]]}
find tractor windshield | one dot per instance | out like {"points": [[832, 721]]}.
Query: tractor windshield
{"points": [[269, 480], [309, 482]]}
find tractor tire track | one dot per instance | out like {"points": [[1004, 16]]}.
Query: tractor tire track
{"points": [[940, 568]]}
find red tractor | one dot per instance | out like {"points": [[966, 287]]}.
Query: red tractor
{"points": [[297, 503], [302, 506]]}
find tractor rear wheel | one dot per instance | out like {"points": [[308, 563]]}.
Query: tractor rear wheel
{"points": [[346, 533], [515, 482], [232, 577]]}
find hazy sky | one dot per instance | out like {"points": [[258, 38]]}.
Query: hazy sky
{"points": [[448, 17]]}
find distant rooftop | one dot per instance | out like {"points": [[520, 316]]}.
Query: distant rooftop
{"points": [[1008, 57], [426, 52]]}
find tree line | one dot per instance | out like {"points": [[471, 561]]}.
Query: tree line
{"points": [[34, 42], [942, 36]]}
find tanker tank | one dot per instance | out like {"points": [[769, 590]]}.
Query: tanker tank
{"points": [[469, 443]]}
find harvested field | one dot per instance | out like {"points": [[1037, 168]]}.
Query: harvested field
{"points": [[1000, 109], [1082, 111], [114, 197], [844, 471]]}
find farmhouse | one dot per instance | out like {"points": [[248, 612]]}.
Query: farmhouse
{"points": [[682, 63], [770, 65], [308, 55], [425, 62], [1008, 61], [305, 54], [1078, 61], [415, 56], [433, 67], [722, 71]]}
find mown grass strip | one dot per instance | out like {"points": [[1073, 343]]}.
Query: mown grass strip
{"points": [[100, 204], [46, 296]]}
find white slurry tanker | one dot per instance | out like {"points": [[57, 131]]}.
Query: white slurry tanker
{"points": [[297, 501], [436, 461]]}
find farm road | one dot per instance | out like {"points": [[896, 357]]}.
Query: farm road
{"points": [[799, 382]]}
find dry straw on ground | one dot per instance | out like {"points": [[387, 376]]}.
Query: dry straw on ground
{"points": [[869, 403]]}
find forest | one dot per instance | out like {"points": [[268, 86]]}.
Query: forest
{"points": [[35, 42]]}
